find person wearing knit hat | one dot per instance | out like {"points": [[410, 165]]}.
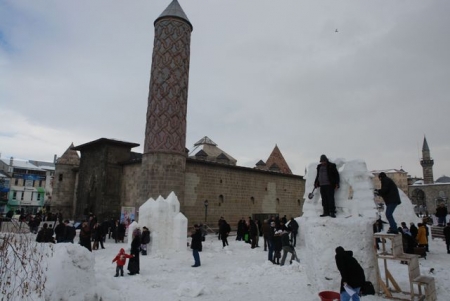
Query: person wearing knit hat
{"points": [[327, 179], [352, 274]]}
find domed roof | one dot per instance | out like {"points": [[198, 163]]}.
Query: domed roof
{"points": [[443, 179]]}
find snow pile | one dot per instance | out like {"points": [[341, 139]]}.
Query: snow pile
{"points": [[70, 273]]}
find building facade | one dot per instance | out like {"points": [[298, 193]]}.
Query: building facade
{"points": [[25, 185]]}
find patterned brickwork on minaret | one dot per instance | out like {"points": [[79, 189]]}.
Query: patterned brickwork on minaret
{"points": [[164, 158], [427, 163], [169, 78]]}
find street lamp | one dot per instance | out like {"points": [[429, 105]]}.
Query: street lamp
{"points": [[206, 203]]}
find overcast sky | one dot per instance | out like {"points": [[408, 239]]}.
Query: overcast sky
{"points": [[262, 73]]}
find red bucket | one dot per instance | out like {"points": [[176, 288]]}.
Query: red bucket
{"points": [[329, 296]]}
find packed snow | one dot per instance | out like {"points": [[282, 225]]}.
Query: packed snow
{"points": [[236, 272]]}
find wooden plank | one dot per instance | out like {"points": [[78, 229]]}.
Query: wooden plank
{"points": [[423, 279], [394, 282]]}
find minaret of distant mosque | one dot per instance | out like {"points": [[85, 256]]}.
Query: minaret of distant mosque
{"points": [[164, 158], [427, 163]]}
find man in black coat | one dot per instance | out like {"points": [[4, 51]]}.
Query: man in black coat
{"points": [[224, 231], [441, 214], [69, 232], [351, 272], [391, 197], [327, 179], [447, 237], [196, 245], [293, 226]]}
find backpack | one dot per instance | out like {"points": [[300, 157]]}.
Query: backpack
{"points": [[367, 289]]}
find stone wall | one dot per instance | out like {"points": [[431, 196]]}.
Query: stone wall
{"points": [[99, 181], [64, 187], [235, 192], [433, 195]]}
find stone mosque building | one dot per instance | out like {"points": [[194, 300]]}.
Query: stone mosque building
{"points": [[427, 194], [207, 181]]}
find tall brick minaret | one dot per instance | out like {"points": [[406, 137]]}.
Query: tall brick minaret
{"points": [[427, 163], [164, 158]]}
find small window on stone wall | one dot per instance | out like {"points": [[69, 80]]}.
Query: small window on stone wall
{"points": [[253, 200], [60, 177], [278, 200], [220, 180], [220, 198], [298, 202]]}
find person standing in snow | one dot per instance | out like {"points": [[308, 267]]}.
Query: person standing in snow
{"points": [[133, 264], [413, 230], [240, 229], [277, 246], [293, 226], [69, 232], [352, 274], [219, 224], [391, 197], [85, 236], [266, 233], [224, 231], [59, 232], [441, 214], [270, 234], [196, 245], [145, 240], [121, 259], [447, 237], [327, 179], [98, 236], [252, 232], [44, 234], [421, 237], [287, 248]]}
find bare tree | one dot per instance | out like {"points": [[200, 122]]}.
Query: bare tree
{"points": [[23, 266]]}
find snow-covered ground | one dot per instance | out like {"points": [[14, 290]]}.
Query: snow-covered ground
{"points": [[236, 272]]}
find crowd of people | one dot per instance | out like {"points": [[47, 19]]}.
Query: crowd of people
{"points": [[278, 236]]}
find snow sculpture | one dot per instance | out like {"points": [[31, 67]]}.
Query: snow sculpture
{"points": [[167, 225], [355, 195], [352, 227]]}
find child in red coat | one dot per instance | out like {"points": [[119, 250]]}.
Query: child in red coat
{"points": [[121, 259]]}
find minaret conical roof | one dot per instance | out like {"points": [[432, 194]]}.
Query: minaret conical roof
{"points": [[425, 145], [174, 10]]}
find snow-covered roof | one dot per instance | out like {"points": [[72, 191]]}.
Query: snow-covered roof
{"points": [[21, 164], [388, 171]]}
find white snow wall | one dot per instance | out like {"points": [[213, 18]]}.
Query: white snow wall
{"points": [[351, 229], [167, 225]]}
